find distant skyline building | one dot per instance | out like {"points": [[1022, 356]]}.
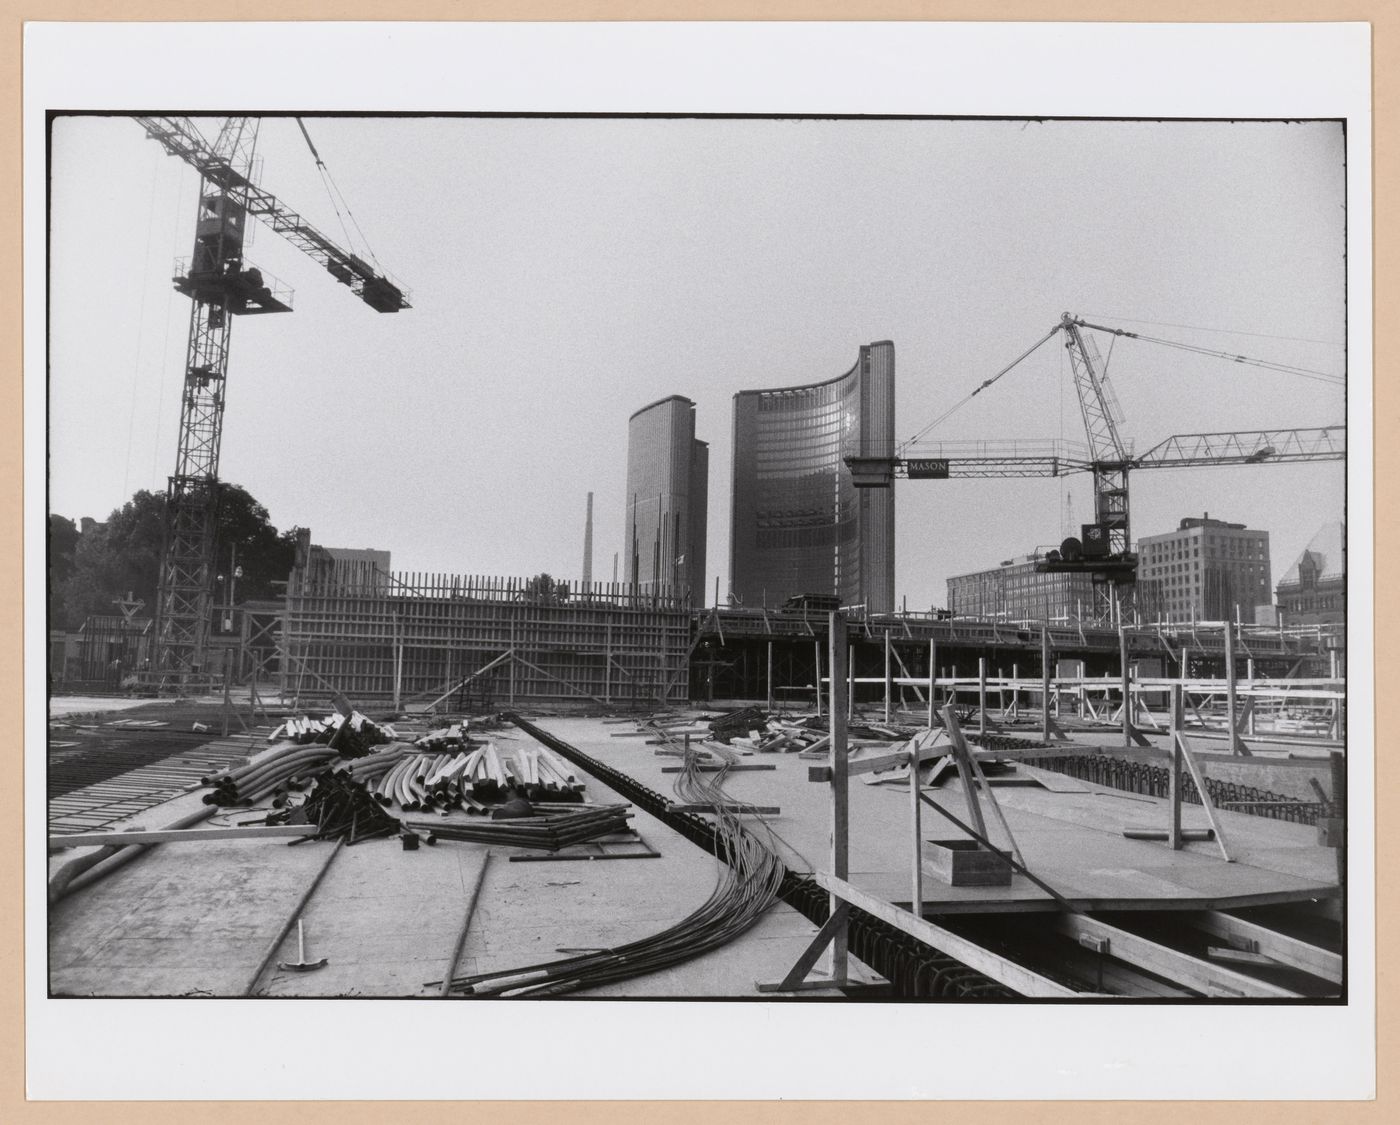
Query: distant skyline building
{"points": [[1014, 591], [1314, 590], [1205, 570], [798, 524], [668, 474]]}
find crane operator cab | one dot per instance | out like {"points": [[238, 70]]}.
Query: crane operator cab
{"points": [[216, 274]]}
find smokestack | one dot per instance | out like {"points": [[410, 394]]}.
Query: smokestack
{"points": [[588, 546]]}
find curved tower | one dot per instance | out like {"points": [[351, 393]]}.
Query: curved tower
{"points": [[799, 526], [668, 472]]}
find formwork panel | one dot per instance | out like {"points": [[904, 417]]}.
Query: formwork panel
{"points": [[606, 641]]}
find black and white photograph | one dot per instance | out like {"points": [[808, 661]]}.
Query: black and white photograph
{"points": [[851, 564]]}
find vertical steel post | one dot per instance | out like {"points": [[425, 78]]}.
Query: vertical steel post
{"points": [[1254, 699], [817, 645], [770, 675], [1231, 710], [840, 783], [932, 677], [916, 902], [607, 665], [1126, 687], [1334, 666], [1178, 726], [1045, 684], [851, 682], [228, 696], [982, 697], [513, 663], [889, 680]]}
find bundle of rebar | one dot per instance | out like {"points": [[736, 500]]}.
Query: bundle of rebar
{"points": [[272, 775], [547, 832], [740, 722], [749, 877], [911, 967]]}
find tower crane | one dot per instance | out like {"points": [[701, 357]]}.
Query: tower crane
{"points": [[222, 285], [1105, 549]]}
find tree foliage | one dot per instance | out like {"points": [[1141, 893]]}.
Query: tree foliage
{"points": [[544, 590], [88, 573]]}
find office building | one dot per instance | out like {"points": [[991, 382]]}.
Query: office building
{"points": [[1013, 591], [1314, 591], [668, 475], [799, 526], [1205, 570]]}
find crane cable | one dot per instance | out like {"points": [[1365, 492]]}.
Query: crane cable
{"points": [[979, 389], [1271, 365], [332, 192], [1221, 331]]}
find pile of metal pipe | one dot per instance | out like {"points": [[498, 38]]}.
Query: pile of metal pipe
{"points": [[272, 775], [548, 832], [468, 779], [352, 734]]}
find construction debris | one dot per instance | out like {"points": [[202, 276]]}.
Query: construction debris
{"points": [[341, 807]]}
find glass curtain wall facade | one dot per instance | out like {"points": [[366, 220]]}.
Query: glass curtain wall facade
{"points": [[668, 475], [798, 524]]}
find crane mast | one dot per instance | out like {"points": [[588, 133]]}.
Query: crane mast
{"points": [[1110, 460], [222, 285]]}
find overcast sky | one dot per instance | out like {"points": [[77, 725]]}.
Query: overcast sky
{"points": [[565, 272]]}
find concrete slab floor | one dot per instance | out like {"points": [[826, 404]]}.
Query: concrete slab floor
{"points": [[196, 919]]}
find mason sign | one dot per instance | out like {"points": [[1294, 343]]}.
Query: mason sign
{"points": [[927, 468]]}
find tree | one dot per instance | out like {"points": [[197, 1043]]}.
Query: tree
{"points": [[63, 542], [123, 556], [544, 590]]}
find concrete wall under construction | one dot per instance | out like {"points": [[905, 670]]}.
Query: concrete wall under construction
{"points": [[512, 640]]}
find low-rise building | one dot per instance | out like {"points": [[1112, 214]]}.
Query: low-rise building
{"points": [[1205, 570], [1015, 591], [1314, 591]]}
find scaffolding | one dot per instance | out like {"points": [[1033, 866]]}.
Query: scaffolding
{"points": [[479, 640]]}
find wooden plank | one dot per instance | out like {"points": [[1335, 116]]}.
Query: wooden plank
{"points": [[969, 784], [1174, 772], [1017, 978], [178, 836], [840, 780], [1203, 793], [1197, 975], [880, 762], [1282, 948]]}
